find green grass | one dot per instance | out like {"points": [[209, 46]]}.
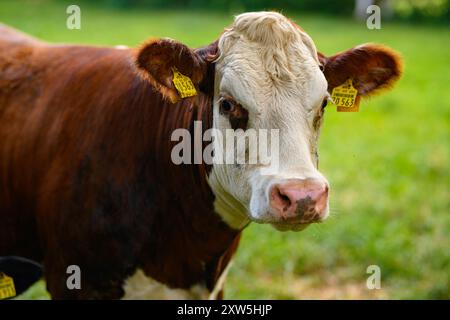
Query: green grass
{"points": [[388, 164]]}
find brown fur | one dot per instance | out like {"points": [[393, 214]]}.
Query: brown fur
{"points": [[86, 176], [372, 67]]}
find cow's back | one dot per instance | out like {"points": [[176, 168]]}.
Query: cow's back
{"points": [[42, 114]]}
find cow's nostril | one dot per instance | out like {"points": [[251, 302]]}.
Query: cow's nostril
{"points": [[284, 200]]}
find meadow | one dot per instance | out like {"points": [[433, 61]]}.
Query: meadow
{"points": [[388, 165]]}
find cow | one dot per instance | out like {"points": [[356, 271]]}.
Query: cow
{"points": [[86, 173]]}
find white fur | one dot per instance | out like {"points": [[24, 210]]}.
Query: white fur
{"points": [[270, 67], [220, 282], [141, 287]]}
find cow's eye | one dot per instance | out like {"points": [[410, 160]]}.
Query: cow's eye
{"points": [[226, 106], [324, 103], [237, 115]]}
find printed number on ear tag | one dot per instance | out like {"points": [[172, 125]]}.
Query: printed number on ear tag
{"points": [[344, 97], [7, 289], [183, 84]]}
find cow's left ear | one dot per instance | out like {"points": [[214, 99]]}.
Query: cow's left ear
{"points": [[372, 68], [157, 59]]}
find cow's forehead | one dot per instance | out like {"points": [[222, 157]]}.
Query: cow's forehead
{"points": [[268, 33], [266, 50]]}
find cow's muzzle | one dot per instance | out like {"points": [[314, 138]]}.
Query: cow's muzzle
{"points": [[299, 201]]}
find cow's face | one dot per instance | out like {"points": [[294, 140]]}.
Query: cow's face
{"points": [[268, 75]]}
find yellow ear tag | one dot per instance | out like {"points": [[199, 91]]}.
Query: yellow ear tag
{"points": [[345, 97], [7, 289], [183, 84]]}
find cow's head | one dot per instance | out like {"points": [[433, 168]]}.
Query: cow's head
{"points": [[269, 75]]}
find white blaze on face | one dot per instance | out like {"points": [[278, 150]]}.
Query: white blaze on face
{"points": [[270, 67]]}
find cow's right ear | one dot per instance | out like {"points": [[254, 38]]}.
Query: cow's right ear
{"points": [[157, 58], [371, 67]]}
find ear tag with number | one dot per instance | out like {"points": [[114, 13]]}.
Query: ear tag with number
{"points": [[7, 289], [345, 97], [183, 84]]}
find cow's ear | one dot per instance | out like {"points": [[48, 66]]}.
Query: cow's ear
{"points": [[371, 67], [157, 59]]}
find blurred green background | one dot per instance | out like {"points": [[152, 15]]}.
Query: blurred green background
{"points": [[388, 165]]}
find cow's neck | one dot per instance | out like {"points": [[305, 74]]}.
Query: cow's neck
{"points": [[188, 243]]}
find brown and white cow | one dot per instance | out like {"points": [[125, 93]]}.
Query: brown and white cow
{"points": [[86, 176]]}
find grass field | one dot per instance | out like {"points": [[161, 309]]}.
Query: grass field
{"points": [[388, 165]]}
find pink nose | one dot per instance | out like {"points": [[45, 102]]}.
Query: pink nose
{"points": [[299, 200]]}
